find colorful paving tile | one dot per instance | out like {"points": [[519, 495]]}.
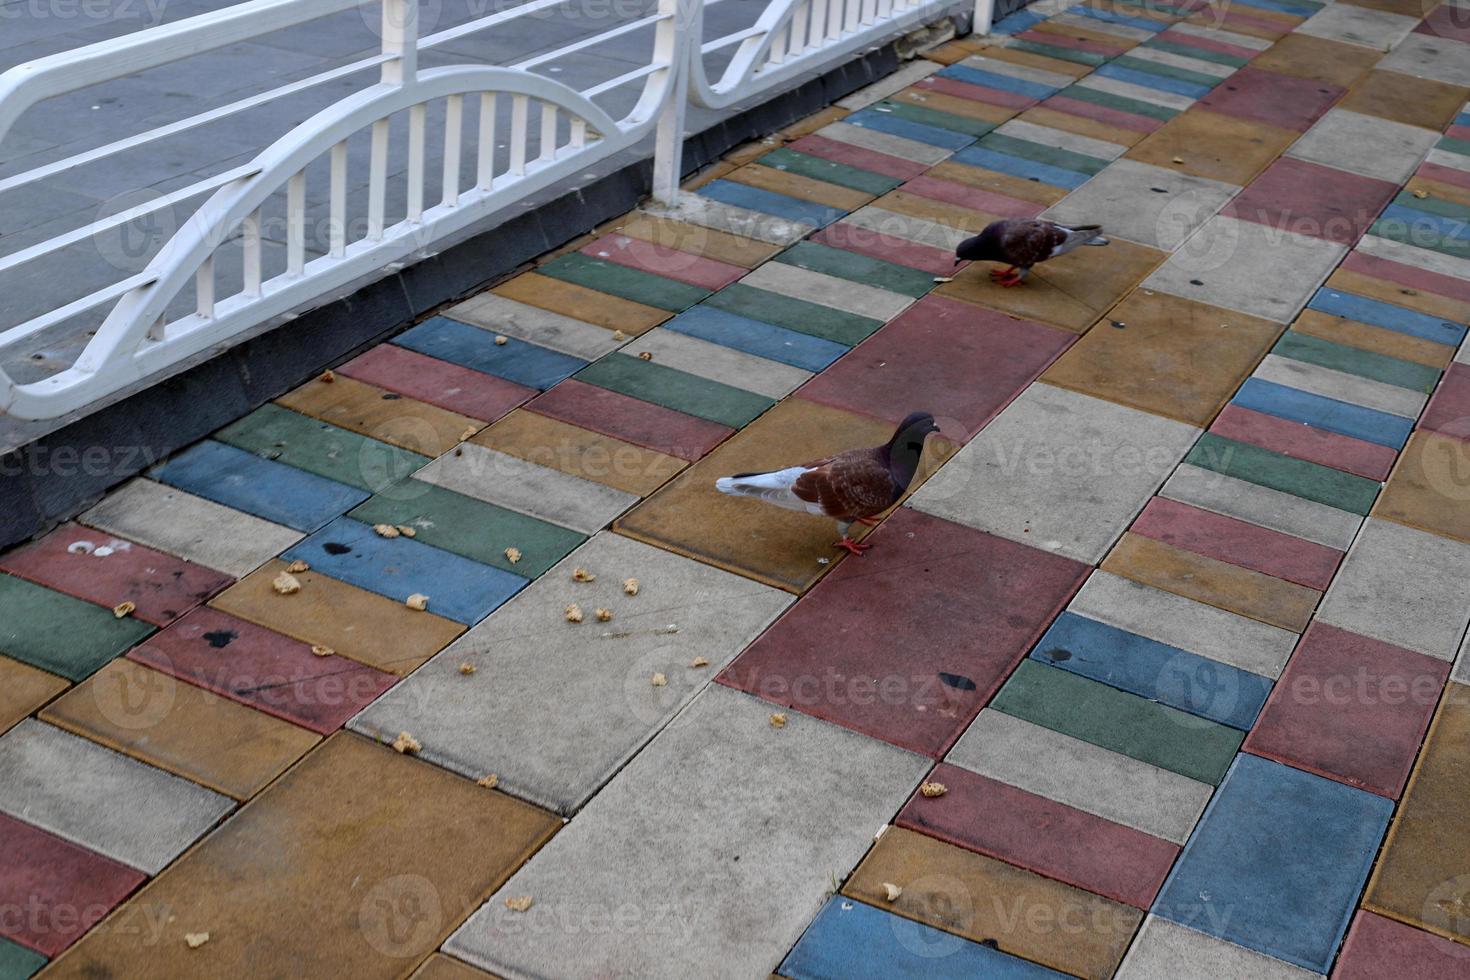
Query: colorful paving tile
{"points": [[1164, 950], [322, 449], [1213, 146], [383, 415], [23, 689], [58, 634], [430, 380], [516, 361], [1376, 946]]}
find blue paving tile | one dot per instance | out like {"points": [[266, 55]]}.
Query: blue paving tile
{"points": [[458, 588], [1149, 80], [1142, 23], [887, 122], [769, 202], [851, 940], [1282, 7], [1277, 862], [1422, 221], [979, 156], [990, 79], [1324, 413], [1021, 20], [1463, 119], [273, 491], [755, 337], [1387, 315], [1154, 670], [474, 348]]}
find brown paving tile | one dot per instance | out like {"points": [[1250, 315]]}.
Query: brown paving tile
{"points": [[1167, 355], [183, 729], [948, 54], [630, 419], [381, 414], [1213, 145], [989, 901], [23, 689], [1310, 199], [799, 187], [1258, 23], [969, 108], [713, 172], [1405, 99], [331, 872], [581, 452], [988, 180], [812, 123], [1215, 583], [441, 967], [1427, 488], [1444, 307], [1085, 34], [1317, 59], [1439, 189], [1018, 57], [1421, 873], [1404, 8], [1379, 340], [718, 245], [581, 303], [771, 545], [1070, 292], [357, 624], [940, 212], [1081, 125]]}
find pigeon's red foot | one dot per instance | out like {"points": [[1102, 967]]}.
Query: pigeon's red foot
{"points": [[868, 521], [853, 547], [1002, 273], [1012, 280]]}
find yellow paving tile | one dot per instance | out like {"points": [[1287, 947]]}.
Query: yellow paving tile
{"points": [[23, 689], [799, 187], [1208, 144], [812, 123], [217, 743], [1405, 99], [771, 545], [581, 303], [1379, 340], [939, 212], [948, 54], [1435, 305], [1209, 17], [381, 414], [1428, 488], [580, 452], [989, 180], [1215, 583], [441, 967], [1018, 57], [1439, 189], [718, 245], [1070, 291], [1318, 59], [1082, 126], [1423, 873], [355, 623], [969, 108], [358, 863]]}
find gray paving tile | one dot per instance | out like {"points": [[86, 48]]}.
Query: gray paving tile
{"points": [[1165, 950], [1364, 145], [1427, 56], [1143, 203], [1269, 508], [717, 363], [1376, 29]]}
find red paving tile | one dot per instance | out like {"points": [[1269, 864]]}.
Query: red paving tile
{"points": [[630, 419], [1378, 948], [1207, 44], [1449, 409], [1277, 100], [1310, 199], [109, 571], [857, 156], [1350, 708], [51, 890], [1227, 18], [635, 253], [1443, 174], [1238, 542], [976, 93], [1299, 441], [964, 196], [889, 248], [908, 642], [1102, 114], [436, 382], [262, 668], [1447, 21], [1042, 835], [960, 362], [1408, 275], [1458, 132]]}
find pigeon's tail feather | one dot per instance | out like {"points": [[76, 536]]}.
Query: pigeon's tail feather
{"points": [[1079, 235], [773, 488]]}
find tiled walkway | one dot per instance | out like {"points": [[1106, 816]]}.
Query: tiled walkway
{"points": [[1175, 614]]}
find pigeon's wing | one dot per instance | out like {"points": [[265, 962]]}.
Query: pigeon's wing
{"points": [[775, 487], [849, 485], [1075, 236], [1028, 242]]}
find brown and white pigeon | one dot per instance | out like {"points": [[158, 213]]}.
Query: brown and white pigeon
{"points": [[851, 487], [1023, 242]]}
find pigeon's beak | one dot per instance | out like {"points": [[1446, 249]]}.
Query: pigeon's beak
{"points": [[957, 261]]}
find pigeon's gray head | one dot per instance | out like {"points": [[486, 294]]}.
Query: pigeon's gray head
{"points": [[907, 445], [984, 247]]}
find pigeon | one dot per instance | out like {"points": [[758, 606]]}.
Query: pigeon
{"points": [[852, 487], [1022, 243]]}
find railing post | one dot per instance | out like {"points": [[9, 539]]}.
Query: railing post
{"points": [[984, 13], [401, 41], [676, 42]]}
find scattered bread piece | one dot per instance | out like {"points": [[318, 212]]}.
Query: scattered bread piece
{"points": [[418, 602], [501, 340], [603, 615], [406, 744], [778, 719], [197, 939], [286, 584], [385, 530], [466, 668], [582, 575], [574, 613], [520, 903], [658, 680], [407, 531], [619, 335], [489, 782], [1421, 194], [322, 651], [630, 586], [932, 790], [891, 891], [124, 609], [1178, 159], [512, 555], [944, 278], [297, 567], [646, 355], [328, 377], [467, 433], [699, 662]]}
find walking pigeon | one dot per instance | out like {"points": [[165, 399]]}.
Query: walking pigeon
{"points": [[852, 487], [1022, 243]]}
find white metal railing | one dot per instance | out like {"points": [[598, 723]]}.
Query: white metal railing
{"points": [[553, 132]]}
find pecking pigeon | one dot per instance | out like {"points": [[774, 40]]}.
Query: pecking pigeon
{"points": [[1022, 243], [852, 487]]}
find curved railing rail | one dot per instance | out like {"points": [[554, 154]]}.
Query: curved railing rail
{"points": [[554, 131]]}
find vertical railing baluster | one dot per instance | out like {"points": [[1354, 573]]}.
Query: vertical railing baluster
{"points": [[204, 288], [401, 41], [548, 132], [296, 224], [485, 156], [251, 242], [378, 181], [453, 147], [338, 192], [579, 133], [519, 133], [416, 139], [672, 46]]}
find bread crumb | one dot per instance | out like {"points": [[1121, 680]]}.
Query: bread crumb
{"points": [[406, 744], [124, 609], [286, 584], [466, 668], [197, 939], [512, 555], [385, 530], [1178, 159], [932, 790], [778, 719], [321, 651], [298, 566], [467, 433], [619, 335], [603, 615], [630, 586], [1421, 194], [418, 601], [520, 903], [658, 680], [489, 782], [646, 355], [891, 891], [328, 377], [407, 531], [501, 340], [699, 662], [582, 575], [574, 613]]}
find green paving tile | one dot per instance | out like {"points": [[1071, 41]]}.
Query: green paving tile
{"points": [[1298, 477], [1353, 360], [1125, 723], [934, 117], [1394, 230], [17, 962], [1167, 71], [1120, 102], [66, 636], [1452, 145], [300, 441], [815, 319], [471, 527], [806, 165], [683, 392], [623, 282], [1040, 153], [1433, 205], [1061, 54], [1186, 51], [858, 268]]}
